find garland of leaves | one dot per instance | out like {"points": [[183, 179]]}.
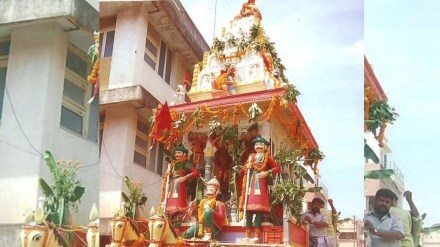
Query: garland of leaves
{"points": [[380, 114], [257, 41]]}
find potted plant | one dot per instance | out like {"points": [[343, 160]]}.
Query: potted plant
{"points": [[65, 193], [135, 200]]}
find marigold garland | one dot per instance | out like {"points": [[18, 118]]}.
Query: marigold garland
{"points": [[140, 241], [254, 167], [92, 78], [232, 114], [245, 113], [201, 212]]}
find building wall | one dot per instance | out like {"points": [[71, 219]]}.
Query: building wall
{"points": [[350, 234], [431, 239], [35, 76], [31, 109], [125, 68]]}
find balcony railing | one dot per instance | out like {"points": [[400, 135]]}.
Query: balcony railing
{"points": [[324, 188], [392, 165]]}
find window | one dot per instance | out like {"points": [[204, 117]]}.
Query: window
{"points": [[76, 115], [157, 54], [4, 52], [152, 47], [141, 143], [149, 159], [156, 158], [106, 40], [4, 49]]}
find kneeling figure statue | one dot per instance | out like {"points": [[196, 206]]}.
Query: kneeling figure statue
{"points": [[211, 215]]}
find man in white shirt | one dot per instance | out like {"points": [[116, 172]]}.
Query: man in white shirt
{"points": [[384, 229], [317, 224]]}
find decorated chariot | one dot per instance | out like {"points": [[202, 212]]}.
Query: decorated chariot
{"points": [[240, 155]]}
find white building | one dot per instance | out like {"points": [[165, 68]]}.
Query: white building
{"points": [[43, 103], [147, 48], [351, 233], [430, 238]]}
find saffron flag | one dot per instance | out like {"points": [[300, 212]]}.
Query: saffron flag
{"points": [[163, 120]]}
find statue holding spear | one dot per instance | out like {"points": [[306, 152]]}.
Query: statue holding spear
{"points": [[255, 195]]}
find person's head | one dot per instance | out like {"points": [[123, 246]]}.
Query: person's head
{"points": [[317, 204], [384, 200], [212, 188], [260, 144], [180, 151]]}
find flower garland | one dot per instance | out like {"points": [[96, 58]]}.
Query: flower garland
{"points": [[368, 101], [140, 241], [233, 114], [254, 167], [201, 214], [93, 53], [269, 112]]}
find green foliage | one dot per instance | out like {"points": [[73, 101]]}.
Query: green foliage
{"points": [[290, 191], [214, 125], [255, 31], [291, 94], [380, 112], [92, 53], [287, 157], [242, 45], [180, 124], [235, 150], [232, 41], [257, 41], [314, 156], [136, 198], [380, 174], [198, 117], [254, 112], [66, 191], [218, 45], [288, 160], [289, 194]]}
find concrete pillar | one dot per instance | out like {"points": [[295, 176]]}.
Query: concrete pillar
{"points": [[34, 80], [116, 155], [129, 47]]}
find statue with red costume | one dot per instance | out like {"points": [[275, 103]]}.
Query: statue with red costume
{"points": [[256, 201], [174, 196]]}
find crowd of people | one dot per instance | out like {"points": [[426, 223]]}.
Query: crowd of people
{"points": [[386, 225]]}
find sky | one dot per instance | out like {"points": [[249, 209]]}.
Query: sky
{"points": [[321, 44], [403, 46]]}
